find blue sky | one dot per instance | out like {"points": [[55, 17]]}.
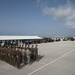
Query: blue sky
{"points": [[37, 17]]}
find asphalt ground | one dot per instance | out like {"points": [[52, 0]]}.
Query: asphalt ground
{"points": [[56, 58]]}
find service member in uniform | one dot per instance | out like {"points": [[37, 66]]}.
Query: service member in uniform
{"points": [[28, 54], [32, 52], [36, 52], [18, 58], [14, 57], [0, 53], [8, 56], [23, 55], [11, 56]]}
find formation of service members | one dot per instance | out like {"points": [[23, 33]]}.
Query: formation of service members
{"points": [[17, 55]]}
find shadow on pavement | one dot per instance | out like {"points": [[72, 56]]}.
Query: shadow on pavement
{"points": [[39, 57], [32, 61]]}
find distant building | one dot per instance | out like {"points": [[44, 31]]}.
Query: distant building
{"points": [[58, 38], [18, 40]]}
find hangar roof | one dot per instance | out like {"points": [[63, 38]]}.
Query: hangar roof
{"points": [[19, 37]]}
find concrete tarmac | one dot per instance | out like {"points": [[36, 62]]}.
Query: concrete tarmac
{"points": [[56, 58]]}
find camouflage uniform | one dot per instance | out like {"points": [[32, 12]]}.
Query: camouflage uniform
{"points": [[28, 54], [5, 54], [36, 52], [23, 55], [0, 53], [14, 58], [18, 58], [32, 52], [8, 56]]}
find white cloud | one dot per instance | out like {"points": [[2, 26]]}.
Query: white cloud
{"points": [[70, 24], [39, 1], [72, 16], [65, 13], [60, 12]]}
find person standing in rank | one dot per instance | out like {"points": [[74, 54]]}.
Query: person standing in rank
{"points": [[23, 55], [28, 54]]}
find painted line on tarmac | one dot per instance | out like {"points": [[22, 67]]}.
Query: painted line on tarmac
{"points": [[51, 62]]}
